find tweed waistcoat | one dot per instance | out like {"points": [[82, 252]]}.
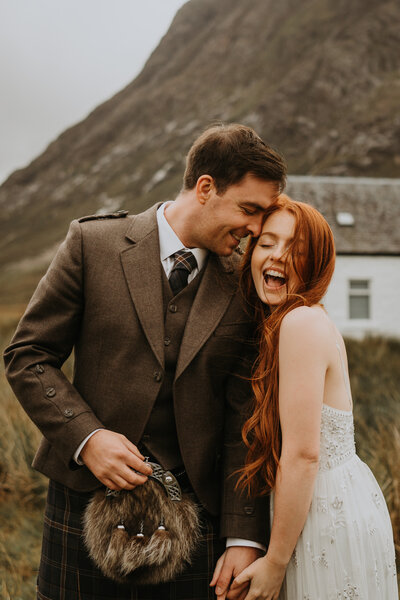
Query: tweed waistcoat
{"points": [[160, 436]]}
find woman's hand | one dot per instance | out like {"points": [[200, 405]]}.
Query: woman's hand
{"points": [[265, 579]]}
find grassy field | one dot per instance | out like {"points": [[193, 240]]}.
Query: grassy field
{"points": [[375, 374], [22, 490]]}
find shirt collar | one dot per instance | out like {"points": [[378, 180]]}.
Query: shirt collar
{"points": [[170, 243]]}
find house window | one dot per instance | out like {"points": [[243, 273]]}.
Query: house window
{"points": [[359, 299]]}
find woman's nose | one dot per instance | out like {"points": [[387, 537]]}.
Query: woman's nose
{"points": [[276, 252]]}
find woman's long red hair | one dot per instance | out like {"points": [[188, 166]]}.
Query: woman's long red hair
{"points": [[312, 256]]}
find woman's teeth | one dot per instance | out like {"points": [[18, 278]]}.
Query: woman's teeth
{"points": [[274, 279]]}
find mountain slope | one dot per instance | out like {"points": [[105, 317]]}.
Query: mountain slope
{"points": [[319, 79]]}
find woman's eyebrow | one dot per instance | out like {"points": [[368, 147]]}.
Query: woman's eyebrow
{"points": [[274, 236], [268, 233]]}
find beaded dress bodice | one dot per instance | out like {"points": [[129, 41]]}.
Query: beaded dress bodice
{"points": [[337, 437], [337, 430]]}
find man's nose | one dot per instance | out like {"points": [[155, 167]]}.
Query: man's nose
{"points": [[255, 225]]}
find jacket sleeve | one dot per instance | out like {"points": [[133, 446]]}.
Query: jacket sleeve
{"points": [[241, 516], [42, 342]]}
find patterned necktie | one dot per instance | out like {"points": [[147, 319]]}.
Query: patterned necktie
{"points": [[184, 264]]}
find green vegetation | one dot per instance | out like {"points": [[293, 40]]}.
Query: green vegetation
{"points": [[375, 373], [374, 366]]}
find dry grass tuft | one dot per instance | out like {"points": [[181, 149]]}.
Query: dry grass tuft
{"points": [[22, 490], [380, 449]]}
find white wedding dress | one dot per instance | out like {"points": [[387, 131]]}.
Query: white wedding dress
{"points": [[346, 547]]}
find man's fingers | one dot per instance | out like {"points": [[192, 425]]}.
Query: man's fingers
{"points": [[239, 593], [239, 587], [135, 463], [135, 459], [237, 561], [121, 477], [113, 458], [109, 483], [224, 580], [131, 478], [132, 447], [217, 570], [240, 579]]}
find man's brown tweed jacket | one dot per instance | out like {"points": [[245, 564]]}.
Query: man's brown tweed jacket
{"points": [[102, 297]]}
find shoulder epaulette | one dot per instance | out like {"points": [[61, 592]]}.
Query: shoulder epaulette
{"points": [[119, 214]]}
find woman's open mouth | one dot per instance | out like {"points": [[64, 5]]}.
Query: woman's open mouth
{"points": [[274, 279]]}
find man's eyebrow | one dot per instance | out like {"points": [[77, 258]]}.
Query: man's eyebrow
{"points": [[253, 205]]}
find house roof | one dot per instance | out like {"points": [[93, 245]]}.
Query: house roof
{"points": [[372, 204]]}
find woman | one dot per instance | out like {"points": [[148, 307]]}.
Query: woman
{"points": [[331, 534]]}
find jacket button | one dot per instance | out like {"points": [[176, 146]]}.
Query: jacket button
{"points": [[68, 412], [167, 341], [39, 369], [173, 308], [50, 392], [157, 376], [249, 510]]}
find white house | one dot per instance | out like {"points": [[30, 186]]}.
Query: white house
{"points": [[364, 295]]}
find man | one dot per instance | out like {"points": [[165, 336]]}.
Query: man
{"points": [[155, 349]]}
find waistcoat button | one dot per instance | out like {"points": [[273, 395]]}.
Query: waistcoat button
{"points": [[173, 308], [157, 376], [50, 392], [167, 341]]}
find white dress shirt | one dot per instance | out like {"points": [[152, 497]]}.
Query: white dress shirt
{"points": [[169, 244]]}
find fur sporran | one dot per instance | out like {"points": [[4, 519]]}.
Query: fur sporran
{"points": [[147, 535]]}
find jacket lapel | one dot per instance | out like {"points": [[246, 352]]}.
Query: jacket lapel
{"points": [[142, 268], [212, 299]]}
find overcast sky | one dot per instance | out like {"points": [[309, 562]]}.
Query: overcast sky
{"points": [[59, 59]]}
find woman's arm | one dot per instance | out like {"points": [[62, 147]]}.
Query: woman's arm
{"points": [[303, 361]]}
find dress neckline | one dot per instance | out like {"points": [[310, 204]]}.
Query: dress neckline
{"points": [[337, 410]]}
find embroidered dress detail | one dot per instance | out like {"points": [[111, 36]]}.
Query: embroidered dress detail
{"points": [[346, 547], [337, 437]]}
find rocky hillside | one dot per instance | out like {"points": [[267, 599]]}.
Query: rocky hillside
{"points": [[318, 79]]}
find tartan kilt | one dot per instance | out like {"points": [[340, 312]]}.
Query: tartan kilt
{"points": [[67, 573]]}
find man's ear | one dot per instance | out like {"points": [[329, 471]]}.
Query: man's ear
{"points": [[204, 188]]}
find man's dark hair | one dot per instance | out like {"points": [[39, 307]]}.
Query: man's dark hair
{"points": [[227, 153]]}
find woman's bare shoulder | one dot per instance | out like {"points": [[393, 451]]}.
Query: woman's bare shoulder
{"points": [[306, 324]]}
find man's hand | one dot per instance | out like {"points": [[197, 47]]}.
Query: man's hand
{"points": [[114, 460], [229, 565]]}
